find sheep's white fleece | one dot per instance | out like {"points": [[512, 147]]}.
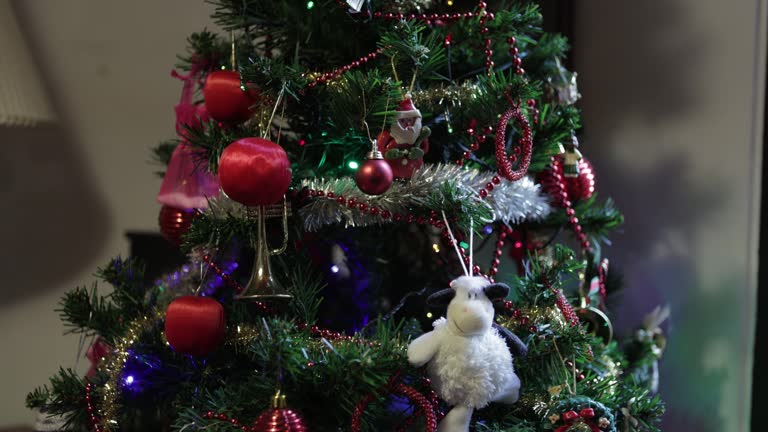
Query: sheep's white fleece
{"points": [[470, 370]]}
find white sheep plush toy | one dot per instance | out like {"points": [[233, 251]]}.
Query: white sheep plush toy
{"points": [[469, 357]]}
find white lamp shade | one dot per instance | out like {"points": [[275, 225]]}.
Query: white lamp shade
{"points": [[23, 101]]}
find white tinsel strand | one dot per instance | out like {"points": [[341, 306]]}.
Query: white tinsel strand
{"points": [[515, 202], [511, 202], [400, 198]]}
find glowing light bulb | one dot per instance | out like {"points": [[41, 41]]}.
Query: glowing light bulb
{"points": [[353, 165], [429, 314], [129, 379], [310, 5], [436, 247], [334, 269]]}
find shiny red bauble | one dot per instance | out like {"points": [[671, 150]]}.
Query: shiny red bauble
{"points": [[195, 325], [578, 188], [174, 223], [374, 176], [279, 420], [254, 171], [225, 98]]}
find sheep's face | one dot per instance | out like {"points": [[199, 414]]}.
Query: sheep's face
{"points": [[470, 312]]}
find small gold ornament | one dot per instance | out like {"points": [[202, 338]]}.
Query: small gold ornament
{"points": [[603, 423], [579, 427], [555, 390]]}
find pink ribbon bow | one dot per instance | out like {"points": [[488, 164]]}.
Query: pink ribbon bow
{"points": [[187, 183]]}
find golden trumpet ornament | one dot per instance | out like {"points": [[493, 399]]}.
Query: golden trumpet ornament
{"points": [[262, 284]]}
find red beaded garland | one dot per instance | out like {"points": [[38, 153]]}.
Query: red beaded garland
{"points": [[95, 425], [497, 251], [233, 283], [426, 18], [526, 144], [423, 405], [432, 398], [336, 73], [558, 189], [514, 52]]}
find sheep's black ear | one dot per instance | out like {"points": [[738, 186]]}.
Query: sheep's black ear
{"points": [[441, 298], [517, 347], [496, 291]]}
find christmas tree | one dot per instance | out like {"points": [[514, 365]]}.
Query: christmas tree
{"points": [[389, 224]]}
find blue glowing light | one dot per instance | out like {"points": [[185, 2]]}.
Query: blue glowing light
{"points": [[334, 269], [129, 379], [488, 229]]}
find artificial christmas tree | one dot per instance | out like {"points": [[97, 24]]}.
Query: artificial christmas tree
{"points": [[345, 262]]}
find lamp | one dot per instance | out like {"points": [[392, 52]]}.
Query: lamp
{"points": [[22, 98]]}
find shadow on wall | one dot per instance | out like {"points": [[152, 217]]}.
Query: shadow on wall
{"points": [[639, 64], [54, 220]]}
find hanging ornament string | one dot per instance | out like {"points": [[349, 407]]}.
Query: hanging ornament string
{"points": [[503, 161], [274, 111], [233, 55]]}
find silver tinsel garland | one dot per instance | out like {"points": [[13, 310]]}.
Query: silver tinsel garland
{"points": [[511, 202]]}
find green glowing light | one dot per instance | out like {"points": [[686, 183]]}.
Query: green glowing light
{"points": [[353, 165], [310, 5], [464, 245]]}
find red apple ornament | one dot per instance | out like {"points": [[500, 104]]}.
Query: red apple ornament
{"points": [[225, 98], [195, 325], [254, 171]]}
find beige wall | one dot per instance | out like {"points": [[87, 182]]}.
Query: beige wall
{"points": [[673, 96], [70, 191], [669, 100]]}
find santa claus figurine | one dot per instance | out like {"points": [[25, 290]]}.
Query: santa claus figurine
{"points": [[405, 144]]}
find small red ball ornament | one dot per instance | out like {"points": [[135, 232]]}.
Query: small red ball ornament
{"points": [[174, 223], [579, 187], [279, 418], [195, 325], [375, 175], [254, 171], [225, 98]]}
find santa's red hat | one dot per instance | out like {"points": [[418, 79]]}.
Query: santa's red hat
{"points": [[407, 109]]}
